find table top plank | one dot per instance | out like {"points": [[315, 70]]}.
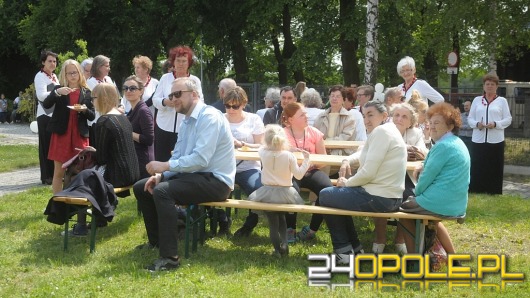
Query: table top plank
{"points": [[316, 159]]}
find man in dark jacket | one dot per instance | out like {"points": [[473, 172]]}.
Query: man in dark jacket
{"points": [[274, 114]]}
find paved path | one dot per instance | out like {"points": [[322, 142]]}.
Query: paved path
{"points": [[21, 180]]}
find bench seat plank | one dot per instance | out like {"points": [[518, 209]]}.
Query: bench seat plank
{"points": [[244, 204]]}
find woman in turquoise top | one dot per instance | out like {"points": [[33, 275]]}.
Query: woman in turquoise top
{"points": [[443, 180]]}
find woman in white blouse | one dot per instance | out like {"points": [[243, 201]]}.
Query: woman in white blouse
{"points": [[45, 81], [167, 119], [247, 130], [489, 116], [406, 69]]}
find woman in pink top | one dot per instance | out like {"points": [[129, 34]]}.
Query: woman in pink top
{"points": [[308, 138]]}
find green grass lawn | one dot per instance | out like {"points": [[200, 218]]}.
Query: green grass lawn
{"points": [[14, 157], [32, 261]]}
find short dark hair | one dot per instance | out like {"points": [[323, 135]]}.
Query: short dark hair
{"points": [[288, 88], [181, 51], [338, 88], [491, 77], [45, 53]]}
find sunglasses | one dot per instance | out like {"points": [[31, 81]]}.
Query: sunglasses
{"points": [[233, 107], [129, 88], [177, 94]]}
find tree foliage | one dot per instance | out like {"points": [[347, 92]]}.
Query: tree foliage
{"points": [[274, 42]]}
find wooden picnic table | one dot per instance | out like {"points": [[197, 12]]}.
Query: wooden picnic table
{"points": [[336, 144], [316, 159]]}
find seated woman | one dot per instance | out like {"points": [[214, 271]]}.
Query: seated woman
{"points": [[313, 104], [444, 177], [376, 187], [310, 139], [114, 146], [336, 123], [247, 130], [420, 106], [404, 118]]}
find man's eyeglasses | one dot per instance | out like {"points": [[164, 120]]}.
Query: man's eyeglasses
{"points": [[233, 107], [361, 94], [177, 94], [129, 88]]}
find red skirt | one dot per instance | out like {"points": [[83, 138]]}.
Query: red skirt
{"points": [[62, 147]]}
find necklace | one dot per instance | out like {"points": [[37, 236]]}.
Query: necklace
{"points": [[148, 80], [405, 88], [52, 76], [296, 141], [486, 102]]}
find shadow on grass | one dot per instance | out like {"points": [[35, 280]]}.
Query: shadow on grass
{"points": [[46, 245]]}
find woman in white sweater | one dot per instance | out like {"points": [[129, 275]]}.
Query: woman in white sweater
{"points": [[376, 187]]}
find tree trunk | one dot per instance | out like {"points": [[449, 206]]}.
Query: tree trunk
{"points": [[289, 48], [492, 61], [430, 66], [372, 48], [282, 67], [348, 46], [239, 53]]}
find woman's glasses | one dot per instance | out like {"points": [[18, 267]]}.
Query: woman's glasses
{"points": [[233, 107], [73, 73], [129, 88], [177, 94]]}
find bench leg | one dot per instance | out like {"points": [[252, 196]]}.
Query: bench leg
{"points": [[419, 236], [93, 227], [66, 223], [187, 233], [419, 240]]}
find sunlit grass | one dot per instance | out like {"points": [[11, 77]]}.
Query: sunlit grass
{"points": [[32, 261], [13, 157]]}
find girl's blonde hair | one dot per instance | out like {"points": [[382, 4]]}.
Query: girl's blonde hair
{"points": [[105, 97], [62, 75], [275, 138]]}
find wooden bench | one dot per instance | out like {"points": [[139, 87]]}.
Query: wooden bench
{"points": [[196, 218], [82, 205]]}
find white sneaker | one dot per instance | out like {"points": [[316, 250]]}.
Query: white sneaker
{"points": [[378, 248], [401, 248], [343, 259]]}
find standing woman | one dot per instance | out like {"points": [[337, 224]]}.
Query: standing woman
{"points": [[489, 116], [99, 74], [45, 80], [167, 119], [142, 123], [142, 68], [86, 66], [247, 130], [310, 139], [69, 127], [406, 68]]}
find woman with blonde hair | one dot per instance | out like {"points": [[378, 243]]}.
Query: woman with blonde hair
{"points": [[73, 107], [114, 138], [421, 108]]}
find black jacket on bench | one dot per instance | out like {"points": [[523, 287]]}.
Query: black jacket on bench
{"points": [[87, 184]]}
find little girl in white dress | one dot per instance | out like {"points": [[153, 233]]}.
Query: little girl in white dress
{"points": [[279, 167]]}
